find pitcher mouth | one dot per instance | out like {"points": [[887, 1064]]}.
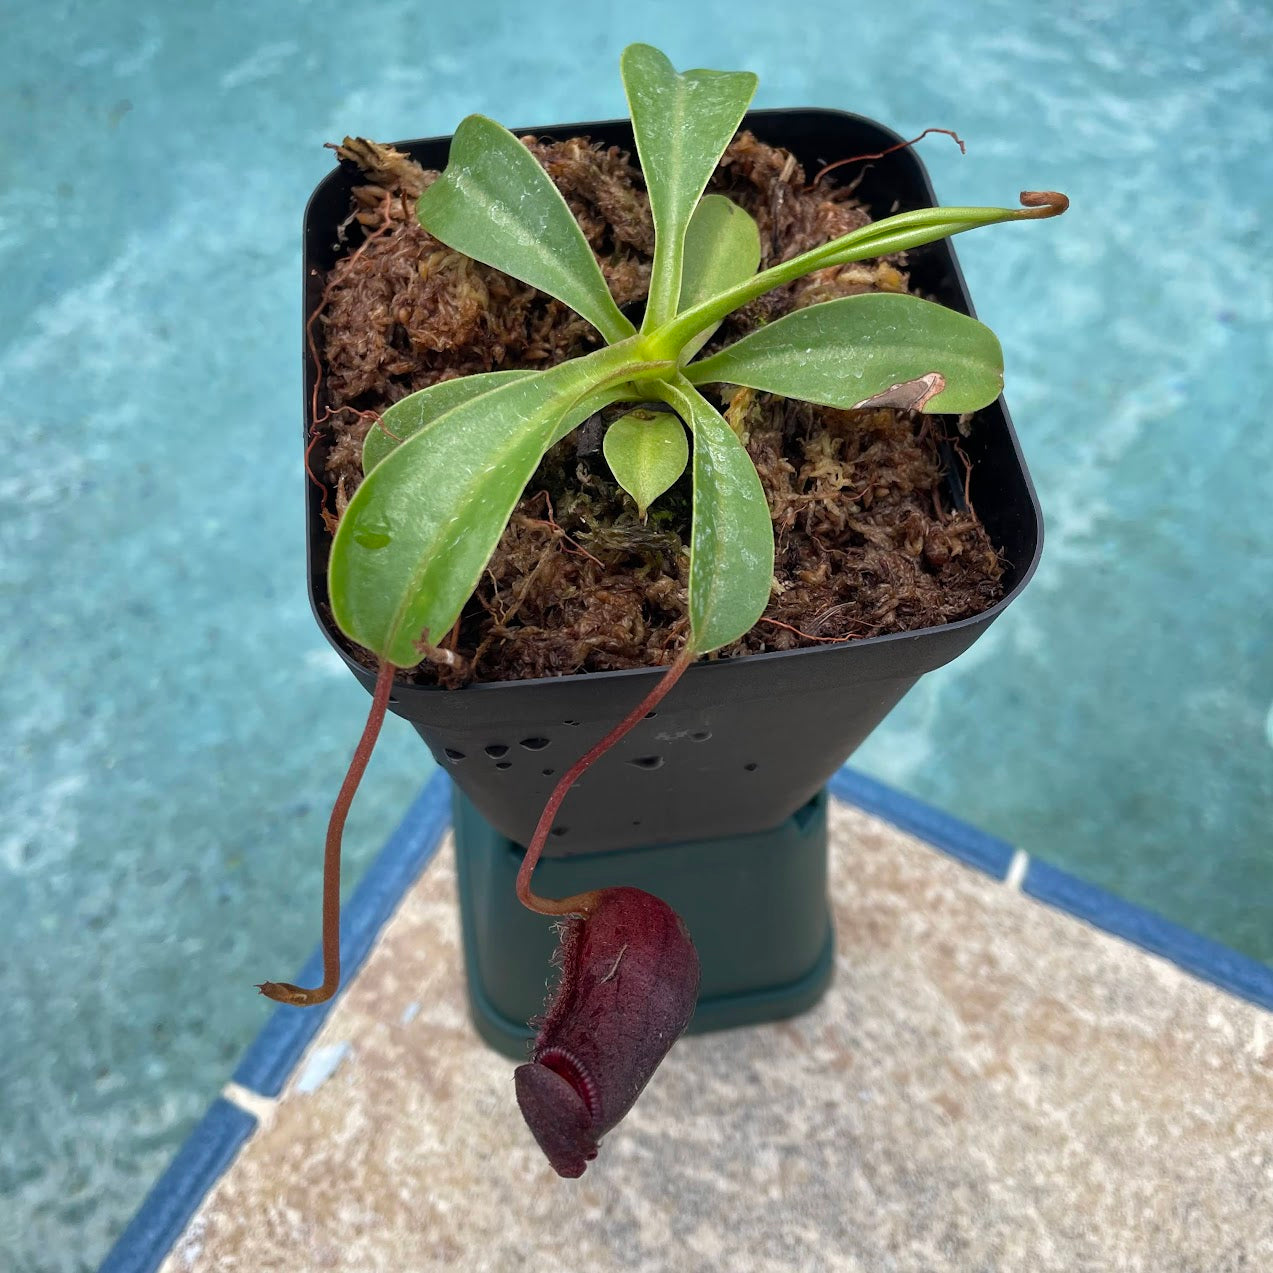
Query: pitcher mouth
{"points": [[564, 1063], [558, 1117]]}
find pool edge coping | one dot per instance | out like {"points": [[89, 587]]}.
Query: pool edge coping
{"points": [[271, 1058]]}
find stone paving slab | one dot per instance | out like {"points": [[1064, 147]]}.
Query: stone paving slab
{"points": [[989, 1085]]}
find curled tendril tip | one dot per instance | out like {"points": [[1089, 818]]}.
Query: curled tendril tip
{"points": [[1043, 203]]}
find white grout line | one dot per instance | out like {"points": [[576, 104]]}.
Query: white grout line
{"points": [[260, 1107], [1260, 1040], [1016, 870]]}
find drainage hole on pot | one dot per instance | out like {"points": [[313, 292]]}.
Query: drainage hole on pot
{"points": [[647, 762], [534, 744], [496, 750], [751, 767], [649, 715], [548, 773], [452, 755], [701, 735], [570, 722], [504, 764], [636, 822], [560, 831]]}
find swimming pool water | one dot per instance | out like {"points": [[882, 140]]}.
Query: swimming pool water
{"points": [[174, 726]]}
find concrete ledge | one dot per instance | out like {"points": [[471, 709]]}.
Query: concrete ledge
{"points": [[990, 1083]]}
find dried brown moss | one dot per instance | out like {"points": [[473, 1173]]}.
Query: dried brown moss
{"points": [[868, 541]]}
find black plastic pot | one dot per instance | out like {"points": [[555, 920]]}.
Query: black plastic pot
{"points": [[739, 745]]}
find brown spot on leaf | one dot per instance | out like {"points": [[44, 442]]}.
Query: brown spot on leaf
{"points": [[909, 395]]}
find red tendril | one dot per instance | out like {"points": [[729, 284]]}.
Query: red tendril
{"points": [[901, 145]]}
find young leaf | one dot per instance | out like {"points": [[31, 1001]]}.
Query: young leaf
{"points": [[876, 349], [682, 124], [924, 225], [423, 524], [722, 247], [412, 413], [731, 540], [496, 204], [893, 234], [647, 452]]}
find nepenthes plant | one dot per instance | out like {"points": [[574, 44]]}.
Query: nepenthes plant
{"points": [[445, 467]]}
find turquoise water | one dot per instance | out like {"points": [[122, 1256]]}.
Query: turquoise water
{"points": [[174, 727]]}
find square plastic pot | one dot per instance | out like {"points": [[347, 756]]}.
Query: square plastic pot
{"points": [[739, 745]]}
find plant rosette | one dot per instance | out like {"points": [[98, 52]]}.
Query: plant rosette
{"points": [[446, 466]]}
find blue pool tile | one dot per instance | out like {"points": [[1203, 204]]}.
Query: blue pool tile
{"points": [[1204, 958], [1209, 960], [970, 845], [176, 1195]]}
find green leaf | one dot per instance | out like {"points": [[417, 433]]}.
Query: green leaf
{"points": [[924, 225], [647, 452], [496, 204], [682, 124], [873, 350], [722, 247], [411, 414], [422, 526], [732, 539], [881, 238]]}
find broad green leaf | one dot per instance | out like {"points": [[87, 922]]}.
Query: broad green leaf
{"points": [[423, 524], [877, 349], [423, 409], [722, 247], [412, 413], [647, 452], [732, 539], [682, 124], [496, 204]]}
